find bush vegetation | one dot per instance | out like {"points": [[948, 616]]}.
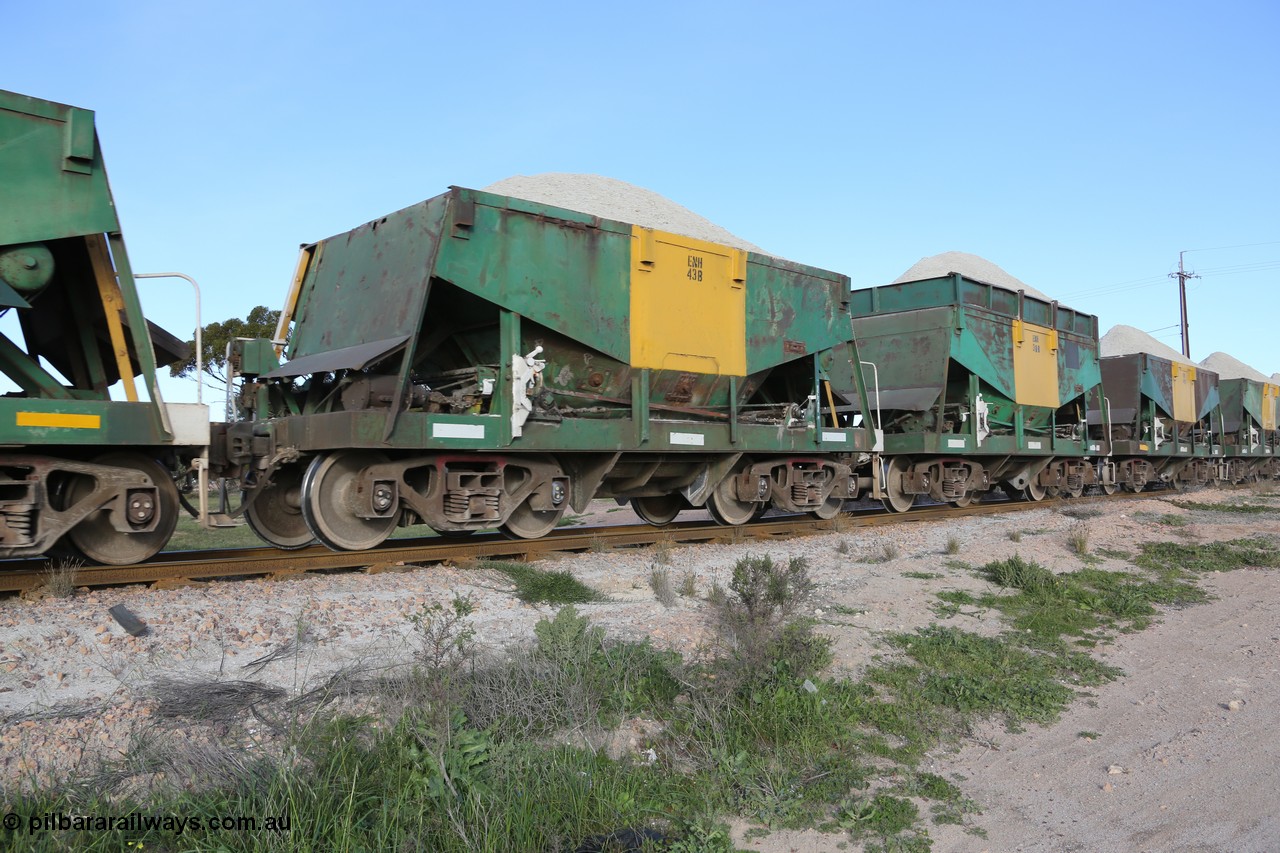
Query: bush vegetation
{"points": [[531, 748]]}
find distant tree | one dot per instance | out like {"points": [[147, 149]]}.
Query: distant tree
{"points": [[261, 323]]}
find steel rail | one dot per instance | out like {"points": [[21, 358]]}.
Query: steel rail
{"points": [[175, 567]]}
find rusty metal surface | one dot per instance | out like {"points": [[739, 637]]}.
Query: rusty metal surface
{"points": [[1122, 379], [356, 357], [370, 283], [174, 568]]}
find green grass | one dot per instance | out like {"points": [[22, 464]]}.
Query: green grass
{"points": [[478, 753], [922, 576], [1081, 513], [190, 536], [1078, 539], [1250, 509], [1077, 604], [954, 677], [541, 586], [1177, 560]]}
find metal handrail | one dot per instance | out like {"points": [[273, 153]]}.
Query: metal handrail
{"points": [[199, 336]]}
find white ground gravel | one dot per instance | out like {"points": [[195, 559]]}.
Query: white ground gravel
{"points": [[969, 266], [610, 198], [74, 688], [1230, 367], [1126, 340]]}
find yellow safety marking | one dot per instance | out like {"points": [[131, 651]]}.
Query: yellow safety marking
{"points": [[1184, 393], [63, 421], [112, 304], [308, 255], [1270, 410], [831, 403], [1035, 365], [688, 304]]}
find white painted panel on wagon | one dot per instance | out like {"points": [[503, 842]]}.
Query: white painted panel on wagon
{"points": [[457, 430]]}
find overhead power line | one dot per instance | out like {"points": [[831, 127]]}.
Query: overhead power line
{"points": [[1239, 246], [1153, 281]]}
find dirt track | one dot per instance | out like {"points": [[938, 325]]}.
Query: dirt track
{"points": [[1191, 774]]}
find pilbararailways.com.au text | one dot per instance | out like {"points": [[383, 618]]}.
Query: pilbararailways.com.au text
{"points": [[139, 822]]}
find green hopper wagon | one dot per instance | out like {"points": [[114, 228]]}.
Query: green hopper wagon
{"points": [[1250, 415], [1160, 420], [78, 465], [477, 360], [973, 386]]}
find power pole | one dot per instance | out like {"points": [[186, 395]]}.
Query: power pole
{"points": [[1182, 275]]}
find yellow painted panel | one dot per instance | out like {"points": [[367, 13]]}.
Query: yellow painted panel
{"points": [[1184, 393], [688, 304], [54, 419], [1270, 404], [1035, 365]]}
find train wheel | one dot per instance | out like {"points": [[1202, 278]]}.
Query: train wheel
{"points": [[97, 538], [276, 513], [828, 510], [525, 522], [895, 499], [1110, 488], [1034, 491], [659, 510], [725, 507], [329, 502], [961, 503]]}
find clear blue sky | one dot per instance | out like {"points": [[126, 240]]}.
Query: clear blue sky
{"points": [[1080, 146]]}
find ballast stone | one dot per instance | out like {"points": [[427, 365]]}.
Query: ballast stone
{"points": [[610, 198], [1229, 367], [1126, 340], [969, 266]]}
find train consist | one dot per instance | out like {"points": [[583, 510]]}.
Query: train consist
{"points": [[478, 361], [481, 361]]}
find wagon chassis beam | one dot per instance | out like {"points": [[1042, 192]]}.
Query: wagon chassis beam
{"points": [[407, 554]]}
